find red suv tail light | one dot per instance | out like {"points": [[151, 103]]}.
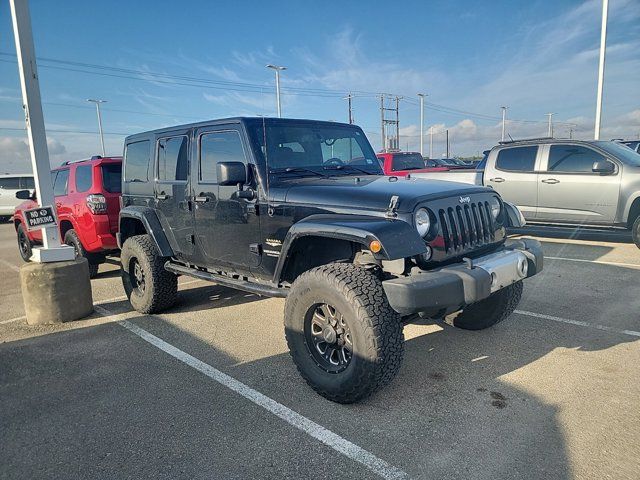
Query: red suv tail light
{"points": [[97, 203]]}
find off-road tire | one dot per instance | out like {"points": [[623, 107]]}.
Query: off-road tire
{"points": [[25, 247], [161, 287], [376, 330], [71, 238], [635, 231], [490, 311]]}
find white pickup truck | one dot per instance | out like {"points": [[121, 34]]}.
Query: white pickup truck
{"points": [[554, 181]]}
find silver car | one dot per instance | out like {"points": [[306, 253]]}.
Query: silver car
{"points": [[589, 183], [9, 185]]}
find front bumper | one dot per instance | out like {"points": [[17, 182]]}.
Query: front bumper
{"points": [[454, 286]]}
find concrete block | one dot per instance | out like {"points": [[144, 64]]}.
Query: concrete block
{"points": [[56, 292]]}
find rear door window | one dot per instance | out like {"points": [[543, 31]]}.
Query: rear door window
{"points": [[10, 183], [572, 159], [112, 177], [61, 184], [83, 178], [173, 159], [137, 162], [517, 159], [27, 182]]}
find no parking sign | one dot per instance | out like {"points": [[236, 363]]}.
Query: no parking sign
{"points": [[40, 218]]}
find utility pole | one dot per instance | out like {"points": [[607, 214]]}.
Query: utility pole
{"points": [[277, 69], [389, 142], [382, 139], [447, 143], [603, 49], [348, 98], [398, 122], [504, 118], [571, 133], [55, 287], [431, 141], [550, 127], [421, 95], [98, 102]]}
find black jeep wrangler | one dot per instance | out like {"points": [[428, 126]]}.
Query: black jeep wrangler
{"points": [[300, 209]]}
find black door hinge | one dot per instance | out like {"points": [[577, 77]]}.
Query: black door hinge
{"points": [[255, 248]]}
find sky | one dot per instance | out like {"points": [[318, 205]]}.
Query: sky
{"points": [[166, 63]]}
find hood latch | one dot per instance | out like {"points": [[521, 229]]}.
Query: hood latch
{"points": [[393, 206]]}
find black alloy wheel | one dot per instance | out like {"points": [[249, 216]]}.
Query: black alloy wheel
{"points": [[328, 338]]}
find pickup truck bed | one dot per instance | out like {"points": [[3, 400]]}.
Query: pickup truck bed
{"points": [[471, 176]]}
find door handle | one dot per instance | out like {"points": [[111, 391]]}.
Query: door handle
{"points": [[162, 196], [201, 199], [497, 179], [550, 181]]}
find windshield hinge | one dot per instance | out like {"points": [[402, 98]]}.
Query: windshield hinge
{"points": [[393, 206]]}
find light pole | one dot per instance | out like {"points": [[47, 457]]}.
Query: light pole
{"points": [[278, 69], [98, 102], [504, 118], [421, 95], [603, 49], [550, 128]]}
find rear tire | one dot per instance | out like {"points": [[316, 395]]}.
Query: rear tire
{"points": [[149, 287], [71, 238], [25, 247], [343, 336], [490, 311], [635, 232]]}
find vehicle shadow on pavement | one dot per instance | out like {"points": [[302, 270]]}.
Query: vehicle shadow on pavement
{"points": [[455, 410]]}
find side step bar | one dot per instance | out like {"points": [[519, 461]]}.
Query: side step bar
{"points": [[257, 288]]}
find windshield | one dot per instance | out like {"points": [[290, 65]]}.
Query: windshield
{"points": [[407, 161], [314, 148], [625, 154]]}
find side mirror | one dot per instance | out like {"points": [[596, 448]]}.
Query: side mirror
{"points": [[25, 195], [231, 173], [604, 167]]}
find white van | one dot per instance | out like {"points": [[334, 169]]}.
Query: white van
{"points": [[9, 185]]}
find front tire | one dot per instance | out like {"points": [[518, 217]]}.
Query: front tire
{"points": [[635, 232], [149, 287], [343, 336], [25, 247], [490, 311], [71, 238]]}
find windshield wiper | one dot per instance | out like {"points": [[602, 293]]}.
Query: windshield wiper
{"points": [[296, 170], [353, 167]]}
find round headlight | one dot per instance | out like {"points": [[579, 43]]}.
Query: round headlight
{"points": [[496, 207], [423, 221]]}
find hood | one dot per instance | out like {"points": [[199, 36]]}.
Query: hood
{"points": [[367, 192]]}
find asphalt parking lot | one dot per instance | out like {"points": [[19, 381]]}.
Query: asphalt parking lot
{"points": [[207, 390]]}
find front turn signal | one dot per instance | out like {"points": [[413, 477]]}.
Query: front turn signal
{"points": [[375, 246]]}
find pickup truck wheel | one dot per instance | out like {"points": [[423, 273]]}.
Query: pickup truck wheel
{"points": [[149, 287], [343, 336], [71, 238], [491, 310], [24, 244], [635, 232]]}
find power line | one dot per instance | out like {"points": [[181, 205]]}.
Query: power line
{"points": [[65, 131]]}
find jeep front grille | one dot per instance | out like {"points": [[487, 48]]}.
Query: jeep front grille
{"points": [[466, 226]]}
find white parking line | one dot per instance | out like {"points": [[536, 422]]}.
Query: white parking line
{"points": [[579, 323], [13, 267], [601, 262], [326, 436]]}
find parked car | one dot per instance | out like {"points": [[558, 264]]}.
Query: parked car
{"points": [[632, 144], [9, 185], [402, 164], [275, 207], [566, 182], [451, 163], [87, 201]]}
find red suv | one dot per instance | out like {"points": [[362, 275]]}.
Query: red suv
{"points": [[87, 196], [401, 164]]}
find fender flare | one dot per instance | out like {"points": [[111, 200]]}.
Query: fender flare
{"points": [[398, 238], [151, 223], [513, 216]]}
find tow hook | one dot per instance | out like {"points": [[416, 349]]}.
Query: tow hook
{"points": [[468, 262]]}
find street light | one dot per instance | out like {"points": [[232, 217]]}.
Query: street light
{"points": [[98, 102], [550, 127], [603, 49], [504, 118], [421, 95], [277, 69]]}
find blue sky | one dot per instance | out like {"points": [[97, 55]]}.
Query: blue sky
{"points": [[470, 57]]}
